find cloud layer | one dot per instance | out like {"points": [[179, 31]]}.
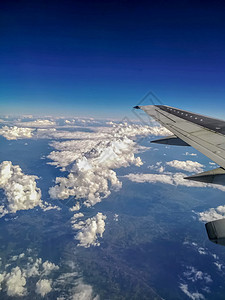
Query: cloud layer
{"points": [[168, 178], [91, 175]]}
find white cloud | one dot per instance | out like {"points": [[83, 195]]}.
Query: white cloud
{"points": [[20, 189], [196, 277], [34, 275], [2, 278], [202, 251], [75, 217], [69, 151], [192, 274], [62, 158], [32, 268], [38, 123], [193, 296], [188, 165], [89, 184], [15, 282], [190, 154], [212, 214], [53, 133], [43, 287], [45, 206], [170, 178], [83, 292], [77, 290], [79, 146], [218, 265], [91, 177], [48, 267], [14, 133], [116, 217], [75, 207], [90, 230]]}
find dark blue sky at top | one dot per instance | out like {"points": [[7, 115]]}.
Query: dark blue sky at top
{"points": [[100, 58]]}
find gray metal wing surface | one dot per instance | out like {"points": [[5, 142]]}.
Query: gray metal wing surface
{"points": [[205, 134]]}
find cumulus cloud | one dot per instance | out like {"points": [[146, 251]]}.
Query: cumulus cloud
{"points": [[14, 133], [212, 214], [188, 165], [75, 217], [43, 287], [87, 183], [75, 207], [48, 267], [32, 270], [20, 189], [33, 266], [157, 167], [62, 158], [90, 230], [15, 282], [91, 176]]}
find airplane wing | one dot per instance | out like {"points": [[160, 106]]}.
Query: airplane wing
{"points": [[205, 134]]}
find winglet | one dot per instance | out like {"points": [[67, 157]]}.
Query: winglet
{"points": [[137, 107]]}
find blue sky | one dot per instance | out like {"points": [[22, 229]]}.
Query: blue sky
{"points": [[99, 58]]}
